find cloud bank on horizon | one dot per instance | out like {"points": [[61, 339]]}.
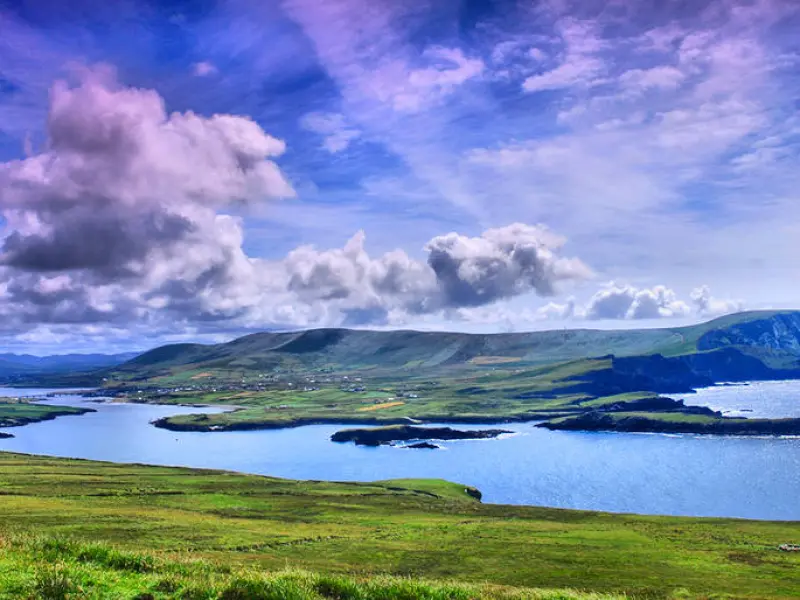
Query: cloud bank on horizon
{"points": [[197, 170]]}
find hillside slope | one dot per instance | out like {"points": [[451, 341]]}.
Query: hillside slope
{"points": [[115, 528], [773, 337], [26, 364]]}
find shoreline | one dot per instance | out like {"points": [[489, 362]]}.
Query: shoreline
{"points": [[652, 415], [471, 491]]}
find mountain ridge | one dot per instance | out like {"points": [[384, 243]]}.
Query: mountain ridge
{"points": [[752, 332]]}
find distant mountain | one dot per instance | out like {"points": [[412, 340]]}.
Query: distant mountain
{"points": [[772, 337], [18, 365]]}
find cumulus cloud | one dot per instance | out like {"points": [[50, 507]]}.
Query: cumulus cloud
{"points": [[501, 263], [123, 206], [460, 272], [617, 301], [124, 217], [708, 306]]}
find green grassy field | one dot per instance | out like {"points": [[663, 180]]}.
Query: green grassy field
{"points": [[242, 526], [55, 569], [490, 394]]}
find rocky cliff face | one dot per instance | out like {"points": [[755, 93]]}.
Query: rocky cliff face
{"points": [[778, 332], [676, 374]]}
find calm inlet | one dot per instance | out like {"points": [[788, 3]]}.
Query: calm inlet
{"points": [[755, 478]]}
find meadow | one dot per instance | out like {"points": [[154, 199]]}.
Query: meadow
{"points": [[114, 530]]}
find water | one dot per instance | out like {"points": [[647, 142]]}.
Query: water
{"points": [[643, 473], [768, 399]]}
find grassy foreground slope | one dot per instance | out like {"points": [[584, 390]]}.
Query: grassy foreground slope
{"points": [[426, 529], [51, 569]]}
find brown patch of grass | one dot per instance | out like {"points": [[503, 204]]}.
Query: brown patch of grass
{"points": [[380, 406], [202, 375]]}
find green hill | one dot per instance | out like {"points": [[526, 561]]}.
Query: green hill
{"points": [[772, 336]]}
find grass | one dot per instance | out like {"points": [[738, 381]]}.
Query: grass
{"points": [[136, 527], [60, 568], [484, 394], [15, 412]]}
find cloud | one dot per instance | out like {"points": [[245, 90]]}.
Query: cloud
{"points": [[661, 77], [124, 217], [660, 133], [411, 89], [708, 306], [501, 263], [553, 311], [460, 272], [204, 69], [617, 301], [122, 208], [334, 129], [581, 63]]}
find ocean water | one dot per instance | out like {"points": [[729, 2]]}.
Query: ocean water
{"points": [[726, 476]]}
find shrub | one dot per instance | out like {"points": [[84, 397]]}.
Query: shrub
{"points": [[52, 582]]}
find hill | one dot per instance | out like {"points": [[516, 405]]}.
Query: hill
{"points": [[14, 367], [772, 337], [101, 530], [389, 377]]}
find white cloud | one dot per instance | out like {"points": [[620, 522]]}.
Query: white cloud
{"points": [[553, 311], [708, 306], [121, 211], [409, 89], [661, 77], [204, 69], [501, 263], [617, 301], [580, 64], [122, 219], [337, 135]]}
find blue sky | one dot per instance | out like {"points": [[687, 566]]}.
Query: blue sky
{"points": [[610, 163]]}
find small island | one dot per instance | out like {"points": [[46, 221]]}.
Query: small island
{"points": [[5, 436], [423, 446], [380, 436], [672, 422]]}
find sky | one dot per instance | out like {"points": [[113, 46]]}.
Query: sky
{"points": [[198, 170]]}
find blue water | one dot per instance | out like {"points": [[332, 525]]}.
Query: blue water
{"points": [[768, 399], [643, 473]]}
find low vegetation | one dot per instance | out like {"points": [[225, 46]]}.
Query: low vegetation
{"points": [[59, 568], [100, 530], [15, 412], [470, 396], [674, 422]]}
